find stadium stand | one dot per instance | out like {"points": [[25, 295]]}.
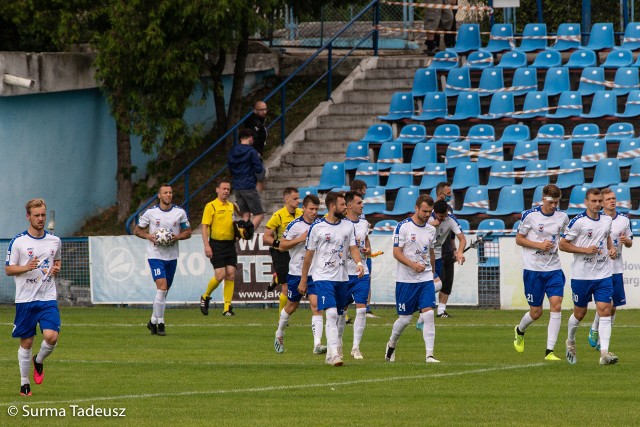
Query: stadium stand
{"points": [[423, 154], [491, 81], [478, 60], [466, 175], [500, 175], [618, 58], [601, 37], [424, 80], [535, 174], [468, 39], [533, 38], [513, 60], [458, 80], [476, 201], [547, 59], [380, 132], [568, 37], [434, 106], [405, 202], [332, 176], [412, 134], [581, 59], [500, 39], [401, 107], [357, 152], [631, 37]]}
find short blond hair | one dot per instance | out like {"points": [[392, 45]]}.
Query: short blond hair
{"points": [[35, 203]]}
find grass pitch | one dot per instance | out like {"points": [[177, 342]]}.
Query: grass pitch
{"points": [[224, 371]]}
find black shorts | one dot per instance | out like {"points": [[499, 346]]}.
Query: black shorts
{"points": [[280, 264], [224, 253], [249, 201], [447, 267]]}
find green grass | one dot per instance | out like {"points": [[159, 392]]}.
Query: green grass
{"points": [[223, 371]]}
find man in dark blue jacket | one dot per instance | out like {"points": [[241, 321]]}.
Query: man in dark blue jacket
{"points": [[244, 163]]}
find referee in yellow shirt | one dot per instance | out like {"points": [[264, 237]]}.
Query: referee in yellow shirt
{"points": [[276, 226], [219, 241]]}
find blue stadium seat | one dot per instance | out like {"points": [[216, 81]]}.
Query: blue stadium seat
{"points": [[385, 227], [357, 152], [424, 80], [601, 37], [632, 106], [604, 104], [423, 153], [380, 132], [510, 201], [434, 106], [480, 133], [536, 104], [618, 58], [569, 37], [500, 38], [591, 80], [444, 61], [464, 225], [368, 172], [634, 174], [374, 201], [549, 132], [625, 81], [619, 131], [332, 176], [573, 178], [635, 227], [534, 166], [576, 200], [523, 152], [585, 131], [434, 173], [607, 173], [496, 181], [466, 175], [628, 150], [468, 39], [559, 151], [478, 60], [489, 153], [532, 37], [502, 106], [458, 80], [467, 107], [446, 134], [305, 191], [547, 59], [405, 201], [569, 105], [400, 175], [513, 60], [631, 38], [525, 80], [494, 225], [593, 150], [557, 81], [623, 197], [476, 201], [400, 108], [514, 133], [412, 134], [491, 81], [581, 59], [536, 200], [514, 228], [457, 152], [390, 153]]}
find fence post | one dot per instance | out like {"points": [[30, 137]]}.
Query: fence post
{"points": [[329, 70], [376, 24]]}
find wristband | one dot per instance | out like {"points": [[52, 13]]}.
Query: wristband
{"points": [[276, 244]]}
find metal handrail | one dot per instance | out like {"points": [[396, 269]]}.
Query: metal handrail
{"points": [[281, 88]]}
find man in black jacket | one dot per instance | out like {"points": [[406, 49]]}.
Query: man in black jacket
{"points": [[244, 164], [256, 122]]}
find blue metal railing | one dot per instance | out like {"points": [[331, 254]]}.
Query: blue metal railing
{"points": [[374, 7]]}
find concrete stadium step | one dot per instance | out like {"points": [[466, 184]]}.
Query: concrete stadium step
{"points": [[323, 135], [334, 145], [292, 172], [397, 84], [279, 183], [370, 97], [352, 109], [336, 121], [384, 74], [309, 159], [413, 62]]}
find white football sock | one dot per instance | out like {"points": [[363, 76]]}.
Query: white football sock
{"points": [[159, 304], [342, 322], [441, 308], [45, 350], [525, 322], [553, 330], [24, 362], [573, 327], [613, 319], [316, 327], [358, 326], [596, 323], [429, 331], [604, 331], [332, 330], [398, 327], [284, 321]]}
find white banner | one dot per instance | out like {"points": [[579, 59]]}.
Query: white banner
{"points": [[512, 286]]}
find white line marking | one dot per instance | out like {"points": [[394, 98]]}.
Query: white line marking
{"points": [[277, 388]]}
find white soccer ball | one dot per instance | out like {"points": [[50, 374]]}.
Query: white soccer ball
{"points": [[163, 236]]}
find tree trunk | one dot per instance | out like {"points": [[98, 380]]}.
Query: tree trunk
{"points": [[123, 177], [239, 72], [216, 70]]}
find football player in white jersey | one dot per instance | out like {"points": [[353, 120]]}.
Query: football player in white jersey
{"points": [[34, 259], [325, 261], [539, 235], [162, 259], [588, 238], [293, 241], [413, 248], [622, 236]]}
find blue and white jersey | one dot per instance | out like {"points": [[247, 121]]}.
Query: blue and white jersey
{"points": [[620, 226], [175, 220], [415, 241], [38, 284], [295, 229], [331, 244], [583, 231], [442, 232], [538, 227], [361, 227]]}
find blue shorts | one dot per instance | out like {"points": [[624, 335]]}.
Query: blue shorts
{"points": [[358, 289], [539, 283], [161, 269], [412, 297], [331, 295], [292, 288], [29, 314], [619, 297], [600, 289], [369, 264]]}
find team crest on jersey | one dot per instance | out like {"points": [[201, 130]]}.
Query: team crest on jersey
{"points": [[158, 222], [540, 228], [327, 237], [590, 233], [30, 252], [413, 237], [52, 252]]}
